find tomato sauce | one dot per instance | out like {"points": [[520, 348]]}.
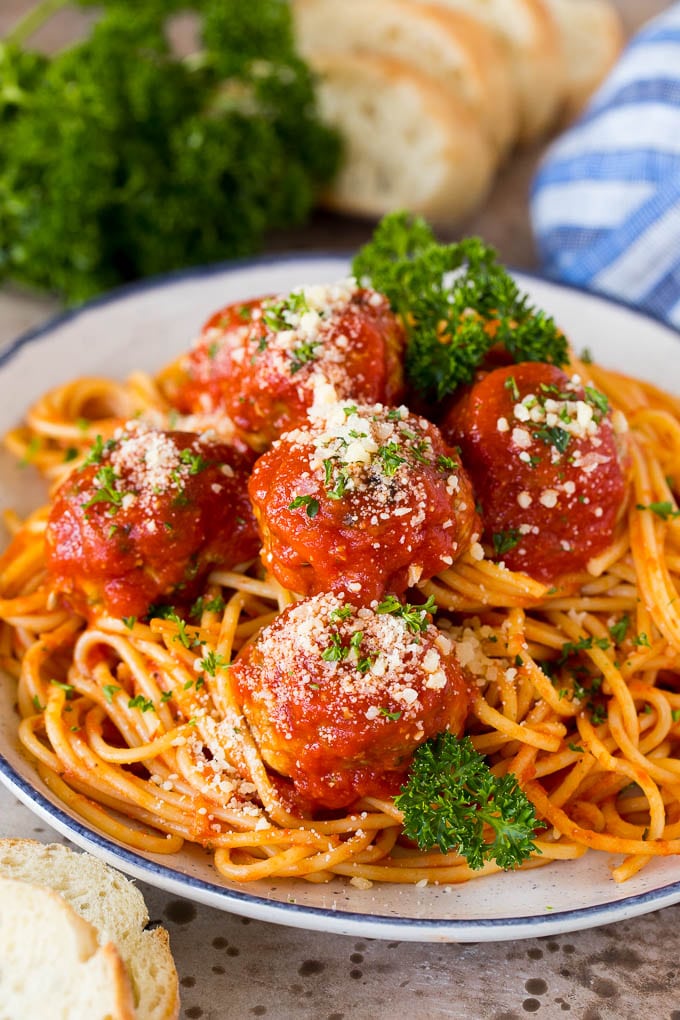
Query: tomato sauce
{"points": [[256, 362], [548, 466], [146, 518]]}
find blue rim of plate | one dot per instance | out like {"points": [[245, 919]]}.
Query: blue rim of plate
{"points": [[129, 289], [383, 926]]}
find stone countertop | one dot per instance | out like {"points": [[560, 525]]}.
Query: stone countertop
{"points": [[233, 967]]}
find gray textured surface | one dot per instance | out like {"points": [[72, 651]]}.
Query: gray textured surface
{"points": [[231, 967]]}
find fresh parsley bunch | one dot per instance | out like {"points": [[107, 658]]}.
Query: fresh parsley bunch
{"points": [[119, 159], [456, 302], [451, 795]]}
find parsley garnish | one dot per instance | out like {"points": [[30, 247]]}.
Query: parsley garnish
{"points": [[309, 502], [144, 704], [504, 541], [182, 634], [340, 487], [446, 463], [391, 461], [553, 436], [452, 321], [280, 315], [450, 796], [106, 491], [203, 605], [597, 399], [511, 384], [665, 510], [336, 651], [212, 661], [194, 461], [67, 688], [129, 621], [619, 629], [415, 617], [341, 613], [302, 354]]}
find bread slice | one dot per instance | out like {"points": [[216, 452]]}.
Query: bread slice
{"points": [[408, 143], [457, 51], [116, 909], [592, 38], [531, 39], [51, 963]]}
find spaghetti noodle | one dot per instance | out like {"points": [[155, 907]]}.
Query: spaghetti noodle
{"points": [[136, 725]]}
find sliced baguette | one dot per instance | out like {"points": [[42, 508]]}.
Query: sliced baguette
{"points": [[51, 963], [408, 144], [116, 909], [462, 55], [530, 35], [592, 38]]}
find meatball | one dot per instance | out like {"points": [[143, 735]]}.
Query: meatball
{"points": [[256, 362], [365, 498], [338, 697], [146, 517], [548, 465]]}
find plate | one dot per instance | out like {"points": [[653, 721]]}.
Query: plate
{"points": [[144, 327]]}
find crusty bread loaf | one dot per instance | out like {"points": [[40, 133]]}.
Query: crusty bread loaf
{"points": [[51, 963], [531, 37], [591, 34], [463, 55], [116, 909], [408, 144]]}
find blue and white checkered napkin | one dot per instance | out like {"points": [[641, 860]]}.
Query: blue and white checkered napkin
{"points": [[605, 202]]}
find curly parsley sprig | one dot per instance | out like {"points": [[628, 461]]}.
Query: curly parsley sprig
{"points": [[451, 795], [456, 302], [120, 158]]}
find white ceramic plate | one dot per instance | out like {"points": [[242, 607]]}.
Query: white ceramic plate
{"points": [[144, 327]]}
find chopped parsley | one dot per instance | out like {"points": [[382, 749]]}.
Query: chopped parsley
{"points": [[619, 629], [142, 703], [504, 541], [415, 617], [302, 354], [665, 510], [553, 436], [212, 661], [311, 504]]}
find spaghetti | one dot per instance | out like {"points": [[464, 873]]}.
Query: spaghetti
{"points": [[135, 723]]}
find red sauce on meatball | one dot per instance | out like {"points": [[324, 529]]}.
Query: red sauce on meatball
{"points": [[256, 362], [365, 498], [338, 698], [548, 468], [146, 517]]}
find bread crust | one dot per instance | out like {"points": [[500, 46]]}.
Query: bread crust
{"points": [[592, 37], [457, 51], [530, 36], [113, 906], [409, 145], [83, 980]]}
